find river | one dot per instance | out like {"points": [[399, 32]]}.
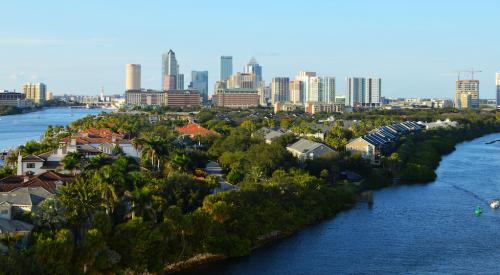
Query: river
{"points": [[15, 130], [418, 229]]}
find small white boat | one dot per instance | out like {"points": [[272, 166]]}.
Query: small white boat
{"points": [[495, 203]]}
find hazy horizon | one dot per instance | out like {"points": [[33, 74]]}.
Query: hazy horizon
{"points": [[414, 47]]}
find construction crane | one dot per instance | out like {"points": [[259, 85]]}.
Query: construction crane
{"points": [[471, 72]]}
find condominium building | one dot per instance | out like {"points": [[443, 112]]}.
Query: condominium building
{"points": [[498, 89], [363, 92], [327, 89], [35, 92], [199, 82], [296, 91], [280, 89], [264, 94], [253, 67], [305, 77], [133, 77], [467, 94], [226, 67], [236, 98]]}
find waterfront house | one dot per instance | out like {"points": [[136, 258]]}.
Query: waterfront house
{"points": [[305, 149], [381, 140]]}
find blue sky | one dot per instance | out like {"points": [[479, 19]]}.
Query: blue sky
{"points": [[80, 46]]}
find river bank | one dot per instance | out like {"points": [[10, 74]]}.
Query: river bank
{"points": [[416, 142], [422, 228]]}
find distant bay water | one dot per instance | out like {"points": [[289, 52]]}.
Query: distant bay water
{"points": [[16, 130], [411, 229]]}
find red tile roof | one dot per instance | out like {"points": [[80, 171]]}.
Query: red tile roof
{"points": [[194, 129], [46, 180]]}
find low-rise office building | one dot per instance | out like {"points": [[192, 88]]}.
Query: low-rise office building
{"points": [[236, 98], [320, 107], [171, 98], [14, 99]]}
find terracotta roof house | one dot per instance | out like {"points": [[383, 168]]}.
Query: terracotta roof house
{"points": [[194, 129], [49, 180]]}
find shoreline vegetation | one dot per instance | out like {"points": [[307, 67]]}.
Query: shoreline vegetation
{"points": [[13, 110], [159, 214]]}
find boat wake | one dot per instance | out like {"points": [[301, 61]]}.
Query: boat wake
{"points": [[470, 193]]}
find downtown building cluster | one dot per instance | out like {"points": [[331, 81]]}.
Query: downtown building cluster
{"points": [[307, 91]]}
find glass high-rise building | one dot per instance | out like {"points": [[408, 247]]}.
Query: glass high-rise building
{"points": [[226, 67], [254, 68], [280, 89], [363, 92], [199, 82], [170, 69]]}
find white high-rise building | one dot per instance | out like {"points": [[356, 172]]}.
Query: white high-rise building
{"points": [[35, 92], [133, 77], [363, 92], [373, 92], [305, 77], [327, 89], [498, 89]]}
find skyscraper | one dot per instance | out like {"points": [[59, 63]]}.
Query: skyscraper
{"points": [[35, 92], [327, 89], [226, 67], [280, 89], [242, 80], [199, 82], [253, 67], [373, 92], [170, 68], [296, 91], [305, 77], [356, 87], [179, 83], [133, 77], [498, 89], [467, 94]]}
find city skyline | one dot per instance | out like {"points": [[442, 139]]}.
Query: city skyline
{"points": [[92, 57]]}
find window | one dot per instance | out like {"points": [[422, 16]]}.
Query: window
{"points": [[30, 165], [4, 212]]}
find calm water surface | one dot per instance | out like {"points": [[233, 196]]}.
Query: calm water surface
{"points": [[17, 129], [419, 229]]}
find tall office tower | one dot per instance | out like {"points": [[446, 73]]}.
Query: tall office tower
{"points": [[304, 77], [35, 92], [133, 77], [179, 83], [467, 94], [372, 95], [296, 91], [170, 68], [241, 80], [498, 89], [199, 82], [280, 89], [254, 68], [356, 87], [226, 67], [327, 89]]}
